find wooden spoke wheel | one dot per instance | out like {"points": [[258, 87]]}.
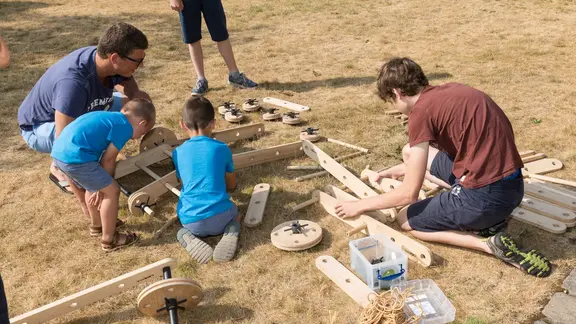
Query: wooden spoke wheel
{"points": [[136, 200], [155, 137], [308, 235], [152, 298]]}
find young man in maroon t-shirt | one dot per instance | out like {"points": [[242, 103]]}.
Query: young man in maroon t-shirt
{"points": [[461, 140]]}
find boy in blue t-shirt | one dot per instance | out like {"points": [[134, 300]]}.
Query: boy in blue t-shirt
{"points": [[205, 168], [86, 152]]}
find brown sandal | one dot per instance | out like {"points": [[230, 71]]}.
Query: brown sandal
{"points": [[129, 239], [96, 231]]}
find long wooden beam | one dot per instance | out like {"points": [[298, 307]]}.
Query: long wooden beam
{"points": [[231, 134], [146, 158], [93, 294]]}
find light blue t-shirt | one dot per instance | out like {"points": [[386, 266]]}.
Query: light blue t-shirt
{"points": [[202, 163], [70, 86], [86, 138]]}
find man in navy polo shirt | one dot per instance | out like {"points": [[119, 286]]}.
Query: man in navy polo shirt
{"points": [[81, 82]]}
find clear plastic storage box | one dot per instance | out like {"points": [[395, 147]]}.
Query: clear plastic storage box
{"points": [[378, 261], [428, 302]]}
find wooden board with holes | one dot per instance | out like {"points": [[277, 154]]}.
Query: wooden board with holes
{"points": [[146, 158], [415, 250], [342, 195], [231, 134], [543, 193], [540, 221], [247, 159], [285, 104], [93, 294], [542, 166], [257, 204], [157, 188], [557, 181], [345, 279], [549, 210], [357, 186], [532, 158], [554, 188]]}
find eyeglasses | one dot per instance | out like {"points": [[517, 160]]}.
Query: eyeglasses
{"points": [[135, 61]]}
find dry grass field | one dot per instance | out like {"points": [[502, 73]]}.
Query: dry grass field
{"points": [[320, 53]]}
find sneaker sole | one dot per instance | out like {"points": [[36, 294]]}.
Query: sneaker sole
{"points": [[198, 249], [241, 86], [226, 248]]}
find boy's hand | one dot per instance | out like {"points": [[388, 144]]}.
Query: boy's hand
{"points": [[176, 5], [346, 209], [95, 199], [389, 173]]}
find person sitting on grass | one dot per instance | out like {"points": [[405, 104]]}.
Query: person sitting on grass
{"points": [[86, 152], [205, 168], [461, 140]]}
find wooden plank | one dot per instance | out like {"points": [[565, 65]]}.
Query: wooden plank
{"points": [[414, 250], [274, 153], [542, 166], [285, 104], [341, 173], [345, 279], [533, 158], [146, 158], [392, 112], [553, 180], [231, 135], [554, 188], [540, 221], [93, 294], [257, 205], [158, 187], [549, 210], [541, 192], [524, 154]]}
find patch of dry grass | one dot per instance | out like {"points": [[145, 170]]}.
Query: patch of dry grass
{"points": [[321, 53]]}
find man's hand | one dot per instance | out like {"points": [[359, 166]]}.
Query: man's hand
{"points": [[346, 209], [394, 172], [95, 199], [176, 5]]}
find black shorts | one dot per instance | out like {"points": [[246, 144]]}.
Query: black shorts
{"points": [[191, 20], [463, 209]]}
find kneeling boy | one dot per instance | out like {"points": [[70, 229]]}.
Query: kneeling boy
{"points": [[204, 166], [477, 160], [86, 153]]}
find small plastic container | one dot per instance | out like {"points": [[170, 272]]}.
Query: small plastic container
{"points": [[428, 302], [378, 261]]}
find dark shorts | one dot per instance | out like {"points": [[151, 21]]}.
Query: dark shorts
{"points": [[464, 209], [191, 20], [3, 304]]}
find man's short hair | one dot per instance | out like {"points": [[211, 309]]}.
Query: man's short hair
{"points": [[400, 73], [198, 113], [141, 108], [121, 38]]}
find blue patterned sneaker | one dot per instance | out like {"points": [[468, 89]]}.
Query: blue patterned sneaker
{"points": [[241, 81], [201, 87]]}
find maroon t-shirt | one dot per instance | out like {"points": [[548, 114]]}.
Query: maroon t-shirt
{"points": [[470, 127]]}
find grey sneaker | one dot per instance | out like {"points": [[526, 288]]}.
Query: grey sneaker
{"points": [[241, 81], [226, 248], [530, 261], [201, 87]]}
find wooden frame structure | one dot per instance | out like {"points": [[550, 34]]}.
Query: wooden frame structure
{"points": [[93, 294]]}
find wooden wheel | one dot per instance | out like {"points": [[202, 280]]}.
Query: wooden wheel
{"points": [[312, 138], [137, 199], [152, 297], [155, 137], [284, 238]]}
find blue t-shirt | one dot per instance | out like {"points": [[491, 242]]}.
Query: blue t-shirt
{"points": [[86, 138], [70, 86], [201, 163]]}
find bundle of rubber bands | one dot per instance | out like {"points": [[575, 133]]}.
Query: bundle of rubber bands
{"points": [[387, 308]]}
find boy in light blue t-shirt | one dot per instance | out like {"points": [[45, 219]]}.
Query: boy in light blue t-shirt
{"points": [[205, 168], [86, 152]]}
